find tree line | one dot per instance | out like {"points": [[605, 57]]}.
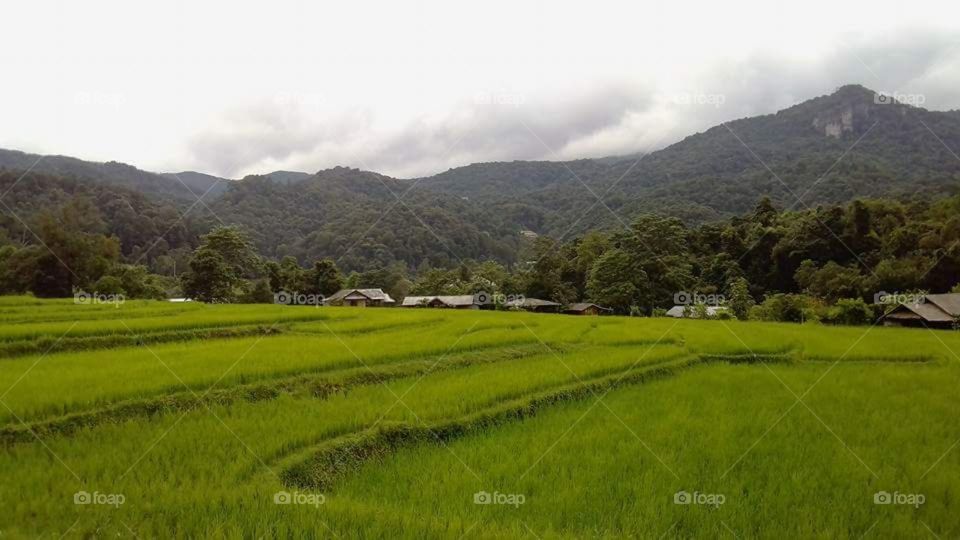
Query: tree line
{"points": [[826, 263]]}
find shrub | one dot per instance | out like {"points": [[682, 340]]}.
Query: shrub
{"points": [[850, 311], [786, 308]]}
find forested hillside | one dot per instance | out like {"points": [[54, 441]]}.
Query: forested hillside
{"points": [[828, 150], [364, 220], [887, 150], [110, 173]]}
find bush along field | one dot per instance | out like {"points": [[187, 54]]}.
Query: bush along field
{"points": [[151, 419]]}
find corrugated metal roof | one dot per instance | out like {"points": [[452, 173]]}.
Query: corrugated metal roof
{"points": [[450, 300], [371, 294], [582, 306], [926, 310], [948, 303], [531, 302]]}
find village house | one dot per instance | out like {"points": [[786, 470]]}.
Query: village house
{"points": [[462, 301], [360, 298], [931, 310], [586, 308], [534, 304]]}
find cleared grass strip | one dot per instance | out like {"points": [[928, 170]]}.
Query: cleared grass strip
{"points": [[785, 356], [317, 386], [209, 317], [359, 327], [64, 383], [333, 459], [51, 345]]}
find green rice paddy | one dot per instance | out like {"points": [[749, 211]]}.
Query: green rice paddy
{"points": [[158, 420]]}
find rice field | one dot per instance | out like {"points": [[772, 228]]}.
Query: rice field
{"points": [[158, 420]]}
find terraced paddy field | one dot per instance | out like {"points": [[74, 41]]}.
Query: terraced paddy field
{"points": [[157, 420]]}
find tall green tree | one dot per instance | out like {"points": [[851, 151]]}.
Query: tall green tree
{"points": [[545, 278], [617, 281], [211, 279], [220, 267], [324, 278], [658, 247], [739, 299]]}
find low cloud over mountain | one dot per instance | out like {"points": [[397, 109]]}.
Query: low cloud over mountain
{"points": [[616, 116]]}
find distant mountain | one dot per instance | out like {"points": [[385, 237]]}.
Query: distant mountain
{"points": [[826, 150], [288, 177], [200, 183], [845, 145], [829, 149], [111, 173], [363, 220], [151, 231]]}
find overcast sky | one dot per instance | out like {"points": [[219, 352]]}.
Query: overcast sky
{"points": [[414, 88]]}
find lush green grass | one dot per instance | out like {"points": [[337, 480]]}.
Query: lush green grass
{"points": [[400, 416], [616, 473]]}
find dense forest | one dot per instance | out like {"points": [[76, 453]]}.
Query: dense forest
{"points": [[365, 220], [791, 264]]}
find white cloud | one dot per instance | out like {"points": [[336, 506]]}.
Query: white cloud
{"points": [[232, 88]]}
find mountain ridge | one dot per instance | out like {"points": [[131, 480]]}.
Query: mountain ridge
{"points": [[825, 150]]}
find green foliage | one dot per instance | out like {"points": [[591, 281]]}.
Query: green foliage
{"points": [[234, 248], [739, 301], [150, 231], [616, 281], [109, 285], [136, 282], [353, 217], [324, 278], [71, 253], [220, 266], [210, 278], [548, 277], [260, 293], [699, 311], [851, 311], [784, 308], [832, 281], [392, 279], [834, 252]]}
